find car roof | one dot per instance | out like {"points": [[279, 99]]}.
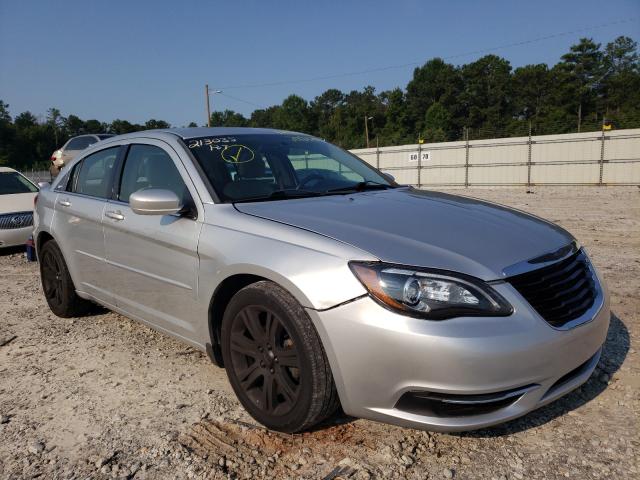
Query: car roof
{"points": [[188, 133], [196, 132], [6, 169], [92, 135]]}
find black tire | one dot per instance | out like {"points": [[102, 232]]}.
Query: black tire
{"points": [[268, 340], [57, 284]]}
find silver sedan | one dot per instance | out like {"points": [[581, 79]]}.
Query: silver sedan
{"points": [[316, 280]]}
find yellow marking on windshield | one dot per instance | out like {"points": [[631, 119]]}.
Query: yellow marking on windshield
{"points": [[234, 154]]}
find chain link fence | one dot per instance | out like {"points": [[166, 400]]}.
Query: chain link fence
{"points": [[38, 175]]}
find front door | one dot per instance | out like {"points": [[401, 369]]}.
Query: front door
{"points": [[152, 259]]}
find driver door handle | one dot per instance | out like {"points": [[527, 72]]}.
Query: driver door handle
{"points": [[115, 215], [64, 203]]}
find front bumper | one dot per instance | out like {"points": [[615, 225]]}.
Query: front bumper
{"points": [[379, 357], [14, 236]]}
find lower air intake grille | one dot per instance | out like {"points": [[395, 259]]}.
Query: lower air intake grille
{"points": [[560, 292]]}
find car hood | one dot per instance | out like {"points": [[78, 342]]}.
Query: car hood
{"points": [[17, 202], [422, 228]]}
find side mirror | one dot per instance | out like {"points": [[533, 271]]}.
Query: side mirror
{"points": [[389, 177], [154, 201], [44, 185]]}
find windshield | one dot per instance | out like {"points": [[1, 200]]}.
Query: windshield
{"points": [[276, 166], [13, 182]]}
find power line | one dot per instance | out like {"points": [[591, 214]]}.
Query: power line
{"points": [[240, 100], [410, 64]]}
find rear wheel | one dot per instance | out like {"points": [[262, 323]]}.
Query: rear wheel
{"points": [[57, 284], [274, 359]]}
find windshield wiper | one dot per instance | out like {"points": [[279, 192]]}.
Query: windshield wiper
{"points": [[362, 186], [281, 195]]}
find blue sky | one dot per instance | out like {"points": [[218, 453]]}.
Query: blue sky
{"points": [[141, 59]]}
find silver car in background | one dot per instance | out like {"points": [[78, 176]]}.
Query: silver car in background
{"points": [[71, 148], [317, 281]]}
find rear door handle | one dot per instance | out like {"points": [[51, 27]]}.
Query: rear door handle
{"points": [[64, 203], [115, 215]]}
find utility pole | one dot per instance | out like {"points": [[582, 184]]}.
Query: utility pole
{"points": [[206, 95], [529, 144], [366, 129]]}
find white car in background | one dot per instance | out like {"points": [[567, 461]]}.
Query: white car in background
{"points": [[17, 196], [73, 147]]}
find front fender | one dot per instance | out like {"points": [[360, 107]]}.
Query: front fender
{"points": [[317, 279]]}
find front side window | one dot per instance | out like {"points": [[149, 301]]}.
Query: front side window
{"points": [[94, 173], [276, 166], [80, 143], [148, 166], [12, 183]]}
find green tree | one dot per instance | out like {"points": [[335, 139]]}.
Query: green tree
{"points": [[56, 122], [532, 87], [25, 120], [397, 127], [155, 124], [7, 134], [294, 114], [228, 118], [621, 88], [74, 125], [322, 109], [486, 98], [263, 117], [120, 127], [435, 81], [95, 126], [585, 67], [621, 55], [437, 123]]}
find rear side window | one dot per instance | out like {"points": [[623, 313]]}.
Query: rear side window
{"points": [[148, 166], [94, 174], [80, 143]]}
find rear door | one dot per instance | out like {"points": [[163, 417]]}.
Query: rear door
{"points": [[77, 224], [152, 259]]}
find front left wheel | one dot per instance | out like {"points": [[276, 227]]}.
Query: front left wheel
{"points": [[275, 361]]}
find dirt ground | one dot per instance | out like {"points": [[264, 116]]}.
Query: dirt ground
{"points": [[104, 397]]}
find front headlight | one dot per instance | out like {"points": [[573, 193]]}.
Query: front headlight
{"points": [[430, 294]]}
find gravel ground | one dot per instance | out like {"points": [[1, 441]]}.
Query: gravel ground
{"points": [[104, 397]]}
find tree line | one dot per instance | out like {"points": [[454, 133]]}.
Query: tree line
{"points": [[590, 86]]}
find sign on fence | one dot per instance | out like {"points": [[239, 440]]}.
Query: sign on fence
{"points": [[424, 156]]}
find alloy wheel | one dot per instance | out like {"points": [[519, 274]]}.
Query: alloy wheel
{"points": [[265, 360]]}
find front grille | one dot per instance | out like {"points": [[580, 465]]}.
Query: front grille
{"points": [[560, 292], [9, 221]]}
